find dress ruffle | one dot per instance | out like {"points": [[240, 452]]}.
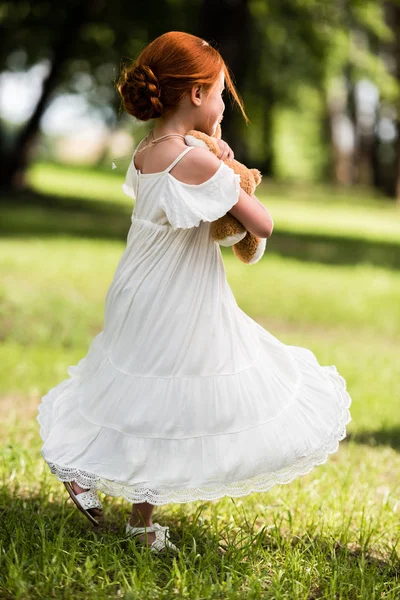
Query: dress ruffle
{"points": [[187, 205], [221, 464]]}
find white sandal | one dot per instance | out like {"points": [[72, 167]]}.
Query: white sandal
{"points": [[161, 541], [85, 500]]}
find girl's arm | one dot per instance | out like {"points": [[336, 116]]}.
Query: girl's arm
{"points": [[249, 210], [199, 165], [253, 215]]}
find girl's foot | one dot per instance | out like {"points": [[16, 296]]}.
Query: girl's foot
{"points": [[151, 536], [156, 536], [96, 512], [86, 500]]}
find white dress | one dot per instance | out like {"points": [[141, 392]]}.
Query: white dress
{"points": [[182, 396]]}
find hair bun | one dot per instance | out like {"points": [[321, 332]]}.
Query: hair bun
{"points": [[140, 90]]}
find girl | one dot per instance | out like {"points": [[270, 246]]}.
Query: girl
{"points": [[183, 396]]}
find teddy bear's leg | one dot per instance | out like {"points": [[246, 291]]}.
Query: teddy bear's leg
{"points": [[250, 249], [259, 253]]}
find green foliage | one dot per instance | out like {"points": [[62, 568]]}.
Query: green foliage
{"points": [[299, 44], [299, 152], [292, 45], [369, 15]]}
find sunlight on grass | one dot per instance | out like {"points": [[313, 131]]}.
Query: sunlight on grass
{"points": [[87, 184], [378, 223], [290, 208]]}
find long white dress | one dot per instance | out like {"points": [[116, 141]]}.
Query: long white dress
{"points": [[182, 396]]}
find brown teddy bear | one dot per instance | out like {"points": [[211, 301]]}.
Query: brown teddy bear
{"points": [[227, 230]]}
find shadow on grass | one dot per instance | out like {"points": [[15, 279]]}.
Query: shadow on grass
{"points": [[383, 437], [39, 215], [55, 536], [333, 249], [22, 508]]}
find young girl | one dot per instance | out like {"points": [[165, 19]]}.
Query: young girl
{"points": [[183, 396]]}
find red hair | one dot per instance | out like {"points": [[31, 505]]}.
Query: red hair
{"points": [[166, 70]]}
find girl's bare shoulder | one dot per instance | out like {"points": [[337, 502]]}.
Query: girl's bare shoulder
{"points": [[196, 166]]}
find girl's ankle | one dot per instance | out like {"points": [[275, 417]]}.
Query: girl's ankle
{"points": [[135, 522], [77, 488]]}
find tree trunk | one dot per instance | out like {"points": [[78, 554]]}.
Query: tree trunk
{"points": [[390, 181], [396, 54], [229, 24], [339, 168], [14, 163]]}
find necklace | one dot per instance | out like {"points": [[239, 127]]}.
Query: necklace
{"points": [[154, 140], [151, 143]]}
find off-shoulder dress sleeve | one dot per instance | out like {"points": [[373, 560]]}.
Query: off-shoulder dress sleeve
{"points": [[130, 183], [186, 205]]}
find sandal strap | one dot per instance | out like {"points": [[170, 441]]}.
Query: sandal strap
{"points": [[151, 529], [138, 530], [161, 540], [161, 537], [89, 499]]}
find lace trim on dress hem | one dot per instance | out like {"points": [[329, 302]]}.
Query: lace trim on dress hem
{"points": [[260, 483]]}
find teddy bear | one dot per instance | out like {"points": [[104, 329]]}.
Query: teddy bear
{"points": [[227, 230]]}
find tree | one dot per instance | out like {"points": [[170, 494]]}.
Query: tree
{"points": [[393, 18], [73, 20], [273, 47], [75, 36]]}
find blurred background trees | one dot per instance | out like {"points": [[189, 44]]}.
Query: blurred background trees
{"points": [[320, 81]]}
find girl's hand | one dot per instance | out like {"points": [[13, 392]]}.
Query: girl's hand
{"points": [[226, 151]]}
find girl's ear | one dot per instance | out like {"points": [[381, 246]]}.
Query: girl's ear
{"points": [[196, 95]]}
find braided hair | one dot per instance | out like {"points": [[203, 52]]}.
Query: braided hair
{"points": [[141, 92]]}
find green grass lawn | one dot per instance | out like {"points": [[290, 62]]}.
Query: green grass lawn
{"points": [[329, 282]]}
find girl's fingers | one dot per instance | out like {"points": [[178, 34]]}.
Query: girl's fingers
{"points": [[222, 147], [226, 151]]}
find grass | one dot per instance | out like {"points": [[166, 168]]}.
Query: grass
{"points": [[308, 225], [333, 533]]}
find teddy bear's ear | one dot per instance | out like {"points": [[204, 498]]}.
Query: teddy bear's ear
{"points": [[191, 140], [202, 140]]}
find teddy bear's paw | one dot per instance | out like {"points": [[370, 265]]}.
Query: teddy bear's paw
{"points": [[250, 249], [230, 240]]}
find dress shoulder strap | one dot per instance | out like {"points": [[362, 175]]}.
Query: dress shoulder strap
{"points": [[178, 158], [137, 147]]}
